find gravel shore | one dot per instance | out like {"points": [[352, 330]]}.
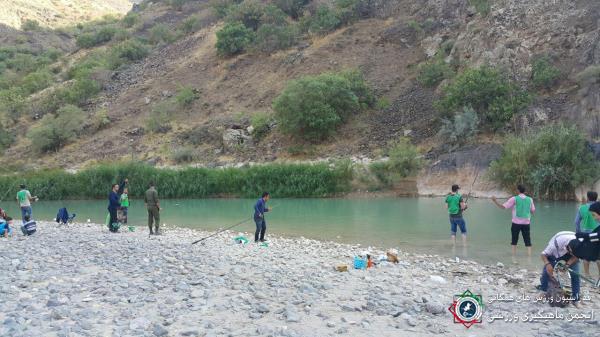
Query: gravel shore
{"points": [[81, 280]]}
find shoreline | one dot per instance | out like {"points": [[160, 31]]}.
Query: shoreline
{"points": [[82, 280]]}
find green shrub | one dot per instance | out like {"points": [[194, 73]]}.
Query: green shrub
{"points": [[273, 15], [100, 120], [459, 130], [249, 13], [190, 24], [92, 39], [432, 72], [86, 40], [313, 107], [483, 7], [493, 96], [30, 25], [7, 138], [183, 155], [12, 104], [543, 73], [131, 19], [323, 21], [348, 11], [53, 132], [292, 8], [404, 161], [36, 81], [382, 103], [161, 33], [130, 50], [234, 38], [281, 180], [159, 120], [80, 91], [186, 97], [261, 122], [552, 162], [270, 38], [178, 4], [222, 8]]}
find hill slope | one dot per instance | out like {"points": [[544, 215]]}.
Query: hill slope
{"points": [[388, 41]]}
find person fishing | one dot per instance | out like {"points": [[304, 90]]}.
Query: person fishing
{"points": [[113, 206], [260, 208], [153, 207], [24, 199], [586, 223], [523, 208], [561, 247], [455, 205]]}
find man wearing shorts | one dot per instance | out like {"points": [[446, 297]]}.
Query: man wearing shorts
{"points": [[522, 209], [585, 223], [455, 205]]}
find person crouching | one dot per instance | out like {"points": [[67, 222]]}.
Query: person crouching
{"points": [[29, 227]]}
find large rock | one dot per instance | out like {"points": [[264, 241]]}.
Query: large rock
{"points": [[235, 139]]}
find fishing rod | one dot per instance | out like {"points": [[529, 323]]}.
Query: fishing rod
{"points": [[228, 228], [562, 265], [470, 190]]}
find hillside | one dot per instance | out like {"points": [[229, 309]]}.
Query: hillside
{"points": [[58, 13], [389, 42]]}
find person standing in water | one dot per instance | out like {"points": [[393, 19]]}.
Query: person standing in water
{"points": [[522, 209], [24, 200], [153, 207], [260, 208], [456, 205], [585, 223], [114, 203]]}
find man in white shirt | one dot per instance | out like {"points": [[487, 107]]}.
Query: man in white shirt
{"points": [[561, 248]]}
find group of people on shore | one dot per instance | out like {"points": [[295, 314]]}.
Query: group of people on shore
{"points": [[28, 225], [567, 246], [118, 207]]}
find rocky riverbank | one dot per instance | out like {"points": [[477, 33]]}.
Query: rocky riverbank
{"points": [[81, 280]]}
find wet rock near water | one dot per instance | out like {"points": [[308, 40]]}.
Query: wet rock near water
{"points": [[85, 281]]}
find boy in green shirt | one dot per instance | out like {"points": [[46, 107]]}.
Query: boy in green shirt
{"points": [[585, 223], [456, 205], [125, 204]]}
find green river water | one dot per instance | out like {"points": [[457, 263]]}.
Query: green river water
{"points": [[411, 224]]}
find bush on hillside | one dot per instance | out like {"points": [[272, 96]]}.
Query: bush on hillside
{"points": [[312, 107], [131, 19], [30, 25], [292, 8], [92, 39], [191, 24], [432, 72], [552, 162], [491, 94], [186, 97], [234, 38], [178, 4], [36, 81], [543, 73], [7, 138], [404, 161], [130, 50], [12, 104], [222, 8], [261, 123], [589, 75], [80, 91], [460, 129], [53, 132], [249, 13], [161, 33], [483, 7], [183, 155], [349, 11], [159, 120], [270, 38], [323, 21]]}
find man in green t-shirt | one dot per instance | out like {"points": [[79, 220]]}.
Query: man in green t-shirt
{"points": [[585, 223], [24, 199], [456, 205]]}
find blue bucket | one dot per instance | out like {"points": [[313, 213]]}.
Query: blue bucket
{"points": [[359, 263]]}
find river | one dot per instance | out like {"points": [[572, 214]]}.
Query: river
{"points": [[411, 224]]}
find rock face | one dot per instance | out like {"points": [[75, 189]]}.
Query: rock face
{"points": [[235, 139], [94, 283]]}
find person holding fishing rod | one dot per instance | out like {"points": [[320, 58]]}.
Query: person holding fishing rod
{"points": [[456, 205], [522, 209], [260, 208], [24, 199]]}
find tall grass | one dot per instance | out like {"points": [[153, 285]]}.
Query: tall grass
{"points": [[281, 180]]}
